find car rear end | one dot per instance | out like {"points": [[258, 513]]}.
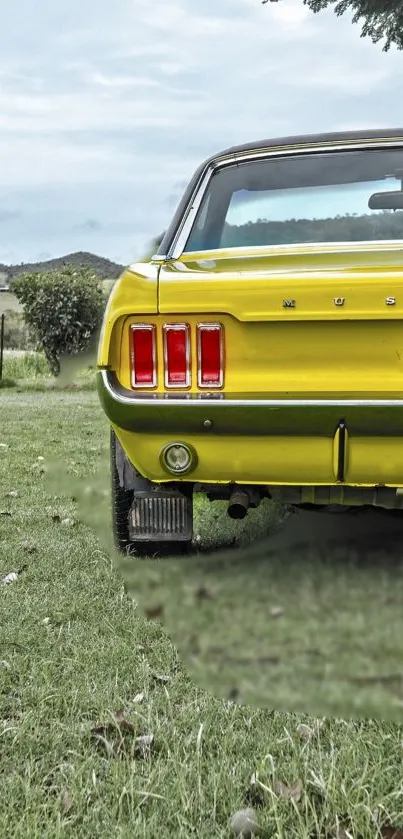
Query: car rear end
{"points": [[262, 352]]}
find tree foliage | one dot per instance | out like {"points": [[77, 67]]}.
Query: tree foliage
{"points": [[63, 310], [349, 228], [380, 19]]}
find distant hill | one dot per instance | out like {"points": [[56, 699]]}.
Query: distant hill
{"points": [[105, 268]]}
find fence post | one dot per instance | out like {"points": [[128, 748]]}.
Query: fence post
{"points": [[1, 344]]}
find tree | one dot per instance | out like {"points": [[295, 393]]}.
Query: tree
{"points": [[63, 310], [381, 19], [349, 228]]}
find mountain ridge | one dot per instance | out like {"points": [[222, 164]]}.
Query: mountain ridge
{"points": [[105, 268]]}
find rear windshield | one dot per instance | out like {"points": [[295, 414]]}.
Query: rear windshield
{"points": [[319, 197]]}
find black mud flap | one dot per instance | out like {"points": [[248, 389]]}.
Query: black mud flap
{"points": [[161, 516]]}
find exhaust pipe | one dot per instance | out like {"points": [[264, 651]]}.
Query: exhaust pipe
{"points": [[239, 504]]}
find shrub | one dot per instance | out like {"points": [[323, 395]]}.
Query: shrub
{"points": [[63, 310]]}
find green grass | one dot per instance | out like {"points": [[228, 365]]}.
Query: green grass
{"points": [[75, 649], [30, 366], [30, 371]]}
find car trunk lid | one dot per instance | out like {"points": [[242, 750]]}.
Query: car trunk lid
{"points": [[311, 320], [308, 322]]}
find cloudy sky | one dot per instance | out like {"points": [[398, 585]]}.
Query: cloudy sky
{"points": [[106, 108]]}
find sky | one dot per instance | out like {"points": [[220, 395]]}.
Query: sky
{"points": [[106, 109]]}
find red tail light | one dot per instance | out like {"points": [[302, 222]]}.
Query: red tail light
{"points": [[210, 349], [177, 354], [143, 355]]}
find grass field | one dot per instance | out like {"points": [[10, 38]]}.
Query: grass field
{"points": [[30, 370], [25, 366], [84, 675]]}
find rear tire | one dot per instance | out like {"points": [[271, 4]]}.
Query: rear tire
{"points": [[121, 502]]}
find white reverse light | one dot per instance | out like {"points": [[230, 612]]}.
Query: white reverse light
{"points": [[178, 458]]}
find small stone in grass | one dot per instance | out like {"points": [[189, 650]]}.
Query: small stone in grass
{"points": [[143, 744], [66, 801], [276, 611], [244, 824], [12, 577], [305, 732], [161, 677], [284, 791]]}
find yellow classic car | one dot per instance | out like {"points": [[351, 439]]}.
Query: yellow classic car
{"points": [[259, 352]]}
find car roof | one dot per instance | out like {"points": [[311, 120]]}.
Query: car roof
{"points": [[311, 140], [293, 141]]}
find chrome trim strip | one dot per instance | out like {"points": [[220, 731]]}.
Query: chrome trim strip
{"points": [[150, 328], [179, 241], [183, 231], [174, 401], [175, 327]]}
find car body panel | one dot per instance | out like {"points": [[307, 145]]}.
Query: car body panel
{"points": [[286, 441], [138, 283], [252, 283]]}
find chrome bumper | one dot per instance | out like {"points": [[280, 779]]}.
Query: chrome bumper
{"points": [[245, 414]]}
